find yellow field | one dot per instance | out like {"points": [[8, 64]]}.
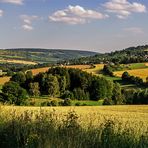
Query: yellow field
{"points": [[3, 80], [95, 70], [82, 67], [121, 124], [19, 62], [133, 115], [38, 70], [142, 73]]}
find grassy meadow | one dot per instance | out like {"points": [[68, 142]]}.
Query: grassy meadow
{"points": [[76, 127]]}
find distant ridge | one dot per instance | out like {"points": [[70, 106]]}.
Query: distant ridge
{"points": [[40, 55]]}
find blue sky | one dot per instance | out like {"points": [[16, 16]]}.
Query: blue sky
{"points": [[95, 25]]}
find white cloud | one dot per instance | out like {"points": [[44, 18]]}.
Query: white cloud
{"points": [[17, 2], [134, 30], [27, 21], [27, 27], [123, 8], [75, 15], [1, 13]]}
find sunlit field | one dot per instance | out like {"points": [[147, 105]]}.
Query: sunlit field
{"points": [[3, 80], [77, 127], [18, 62], [38, 70], [96, 69], [142, 73]]}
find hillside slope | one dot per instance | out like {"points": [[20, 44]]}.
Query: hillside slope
{"points": [[42, 55]]}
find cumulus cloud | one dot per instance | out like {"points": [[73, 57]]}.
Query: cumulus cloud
{"points": [[1, 13], [123, 8], [76, 15], [27, 27], [134, 30], [27, 21], [16, 2]]}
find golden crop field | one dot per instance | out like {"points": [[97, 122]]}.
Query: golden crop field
{"points": [[3, 80], [38, 70], [133, 113], [120, 124], [132, 116], [142, 73], [18, 62], [82, 67]]}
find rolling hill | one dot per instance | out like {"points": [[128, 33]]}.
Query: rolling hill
{"points": [[41, 55]]}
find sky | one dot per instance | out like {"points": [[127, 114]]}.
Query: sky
{"points": [[94, 25]]}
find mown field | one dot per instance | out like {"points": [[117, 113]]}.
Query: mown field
{"points": [[17, 61], [142, 73], [87, 68], [77, 127], [3, 80]]}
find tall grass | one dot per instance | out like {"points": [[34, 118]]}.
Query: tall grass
{"points": [[49, 129]]}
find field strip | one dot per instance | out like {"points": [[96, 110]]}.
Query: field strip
{"points": [[19, 62], [3, 80], [142, 73], [44, 69]]}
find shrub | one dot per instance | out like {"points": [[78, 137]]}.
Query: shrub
{"points": [[107, 102], [54, 103], [67, 102], [77, 104], [44, 103]]}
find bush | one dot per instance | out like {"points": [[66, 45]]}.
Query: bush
{"points": [[77, 104], [44, 103], [54, 103], [67, 102], [107, 102]]}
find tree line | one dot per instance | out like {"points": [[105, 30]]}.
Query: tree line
{"points": [[69, 84], [137, 54], [65, 83]]}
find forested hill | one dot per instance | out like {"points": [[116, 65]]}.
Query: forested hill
{"points": [[43, 55], [129, 55]]}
